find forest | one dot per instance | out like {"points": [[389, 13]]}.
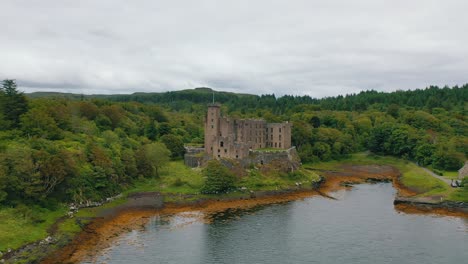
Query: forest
{"points": [[57, 148]]}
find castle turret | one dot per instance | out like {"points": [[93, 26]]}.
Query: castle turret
{"points": [[212, 126]]}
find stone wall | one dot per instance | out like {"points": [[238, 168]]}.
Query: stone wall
{"points": [[195, 157], [287, 157]]}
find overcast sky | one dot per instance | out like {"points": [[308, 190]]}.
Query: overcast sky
{"points": [[319, 48]]}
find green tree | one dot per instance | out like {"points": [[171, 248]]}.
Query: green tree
{"points": [[14, 103], [3, 182], [322, 150], [37, 122], [151, 158], [174, 144], [424, 154], [218, 178]]}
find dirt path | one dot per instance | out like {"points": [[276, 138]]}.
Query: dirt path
{"points": [[448, 181]]}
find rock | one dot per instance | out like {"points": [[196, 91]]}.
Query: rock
{"points": [[9, 250], [48, 240]]}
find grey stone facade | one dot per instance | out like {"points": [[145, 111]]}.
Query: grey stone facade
{"points": [[245, 140], [226, 137]]}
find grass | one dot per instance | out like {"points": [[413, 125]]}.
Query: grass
{"points": [[174, 178], [270, 150], [18, 228], [274, 181], [413, 176], [450, 174], [459, 194]]}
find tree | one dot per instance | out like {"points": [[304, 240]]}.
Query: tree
{"points": [[424, 154], [151, 158], [322, 150], [315, 121], [447, 160], [14, 103], [3, 182], [218, 178], [174, 144], [37, 122]]}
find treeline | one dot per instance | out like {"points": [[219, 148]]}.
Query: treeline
{"points": [[448, 98], [438, 139], [57, 150], [453, 98]]}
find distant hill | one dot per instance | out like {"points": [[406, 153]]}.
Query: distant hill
{"points": [[431, 97]]}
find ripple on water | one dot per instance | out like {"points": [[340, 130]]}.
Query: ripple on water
{"points": [[362, 226]]}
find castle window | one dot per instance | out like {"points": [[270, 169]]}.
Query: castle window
{"points": [[237, 156], [279, 137], [219, 156], [219, 150], [261, 162], [271, 137], [211, 148], [212, 120], [212, 126], [221, 144], [271, 130], [280, 129], [276, 145], [280, 144], [225, 150]]}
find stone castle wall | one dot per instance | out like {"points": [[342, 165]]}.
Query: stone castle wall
{"points": [[233, 138]]}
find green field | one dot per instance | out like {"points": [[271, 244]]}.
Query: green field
{"points": [[23, 225]]}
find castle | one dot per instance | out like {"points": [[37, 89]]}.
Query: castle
{"points": [[250, 141], [234, 138]]}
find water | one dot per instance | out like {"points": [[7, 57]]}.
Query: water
{"points": [[361, 227]]}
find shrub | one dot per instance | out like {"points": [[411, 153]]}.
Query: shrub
{"points": [[218, 178]]}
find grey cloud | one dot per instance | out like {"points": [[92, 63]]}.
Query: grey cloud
{"points": [[319, 48]]}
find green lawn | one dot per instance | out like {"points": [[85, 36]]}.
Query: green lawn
{"points": [[459, 194], [275, 181], [174, 178], [413, 176], [269, 150], [450, 174], [25, 225]]}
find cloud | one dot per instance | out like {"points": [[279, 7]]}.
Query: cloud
{"points": [[319, 48]]}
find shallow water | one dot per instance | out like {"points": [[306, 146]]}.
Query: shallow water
{"points": [[362, 226]]}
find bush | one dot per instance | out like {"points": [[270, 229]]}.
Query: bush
{"points": [[218, 178], [178, 182], [464, 182]]}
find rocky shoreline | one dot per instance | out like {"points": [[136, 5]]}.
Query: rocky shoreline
{"points": [[428, 205], [135, 212]]}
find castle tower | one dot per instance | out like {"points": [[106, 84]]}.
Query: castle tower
{"points": [[212, 128]]}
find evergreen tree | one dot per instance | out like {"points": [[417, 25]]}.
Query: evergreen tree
{"points": [[14, 103]]}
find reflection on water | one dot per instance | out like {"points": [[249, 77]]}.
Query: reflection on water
{"points": [[361, 227]]}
